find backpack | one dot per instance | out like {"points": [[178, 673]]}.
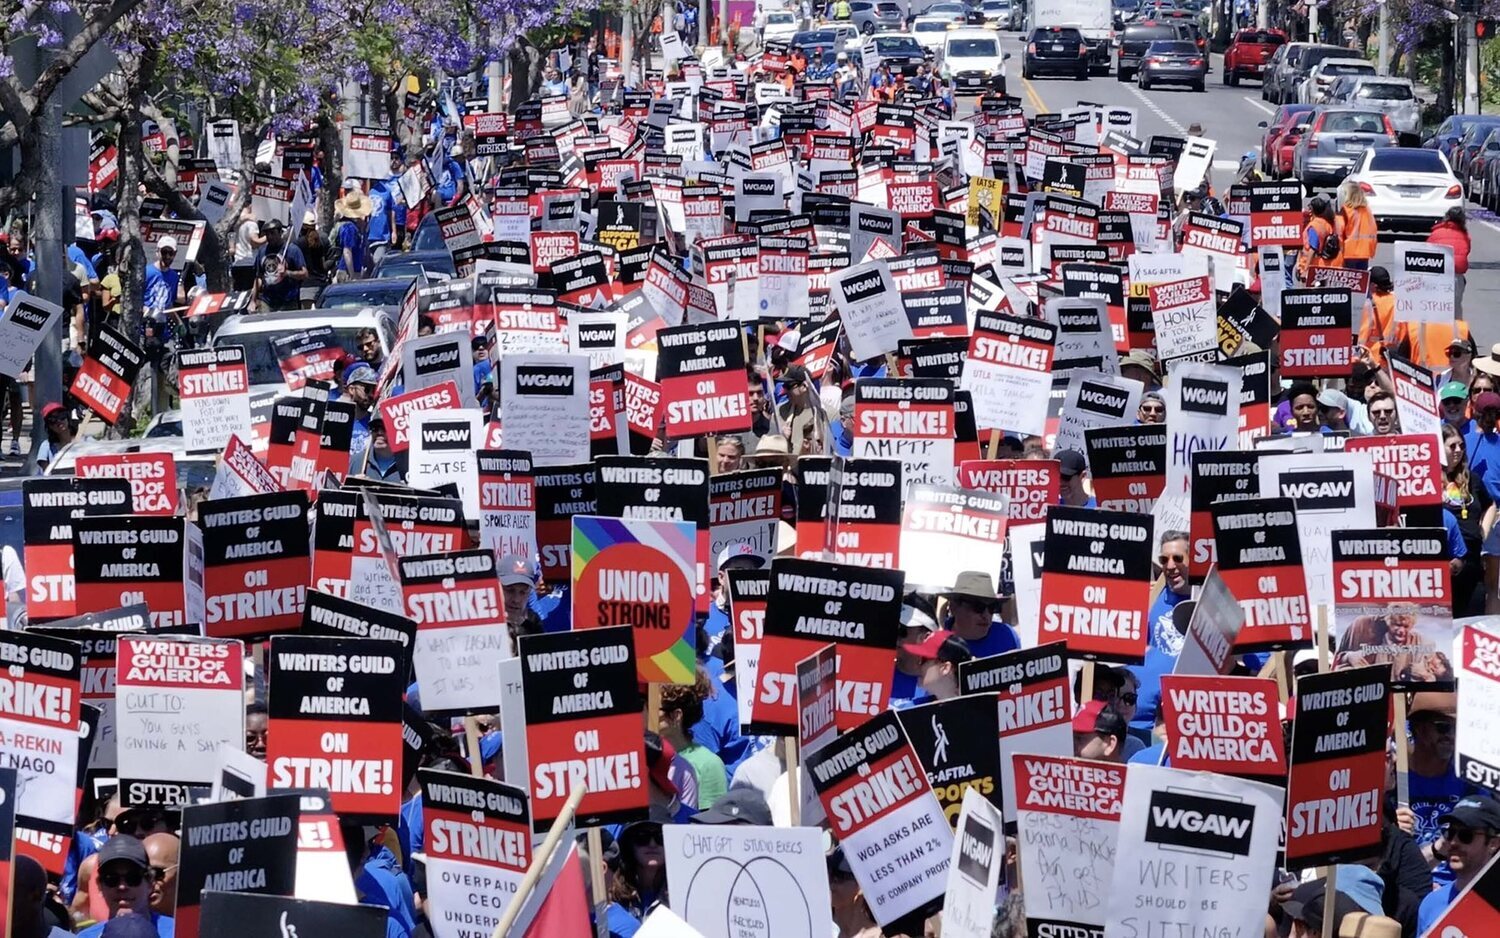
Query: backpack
{"points": [[1329, 247]]}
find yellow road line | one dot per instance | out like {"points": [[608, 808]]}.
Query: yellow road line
{"points": [[1036, 99]]}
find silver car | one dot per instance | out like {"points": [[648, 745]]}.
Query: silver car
{"points": [[1394, 96], [1335, 140]]}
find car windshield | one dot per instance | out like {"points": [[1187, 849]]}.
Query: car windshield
{"points": [[994, 6], [897, 45], [1353, 122], [820, 37], [929, 26], [1167, 48], [1404, 160], [780, 18], [1349, 68], [1383, 91], [415, 265], [1148, 33], [387, 291], [260, 356], [888, 8], [1127, 4], [1056, 34], [1256, 36], [972, 48]]}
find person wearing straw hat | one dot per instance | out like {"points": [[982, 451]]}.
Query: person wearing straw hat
{"points": [[353, 211]]}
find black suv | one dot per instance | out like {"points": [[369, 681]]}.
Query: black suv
{"points": [[1056, 50], [1133, 43]]}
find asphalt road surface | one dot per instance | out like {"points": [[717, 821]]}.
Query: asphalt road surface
{"points": [[1229, 116]]}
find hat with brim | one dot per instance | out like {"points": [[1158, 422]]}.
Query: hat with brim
{"points": [[1476, 812], [974, 584], [772, 446], [354, 204], [1306, 905], [1489, 364]]}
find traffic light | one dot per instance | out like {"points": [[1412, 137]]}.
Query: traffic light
{"points": [[1485, 29]]}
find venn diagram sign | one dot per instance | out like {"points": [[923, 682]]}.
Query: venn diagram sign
{"points": [[749, 882], [639, 573]]}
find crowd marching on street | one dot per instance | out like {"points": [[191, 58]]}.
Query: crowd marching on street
{"points": [[795, 492]]}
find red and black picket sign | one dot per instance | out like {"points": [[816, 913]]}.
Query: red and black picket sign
{"points": [[256, 564], [478, 829], [335, 720], [450, 306], [1259, 557], [1412, 460], [307, 355], [1215, 477], [1031, 485], [119, 560], [1096, 582], [1229, 725], [866, 526], [49, 507], [1393, 603], [937, 313], [336, 438], [328, 616], [811, 603], [656, 490], [745, 507], [1336, 783], [958, 743], [1128, 465], [816, 349], [108, 373], [344, 536], [583, 724], [1316, 326], [40, 737], [606, 411], [1276, 212], [1255, 395], [243, 846], [561, 493], [701, 370]]}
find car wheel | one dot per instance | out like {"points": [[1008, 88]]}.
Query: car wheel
{"points": [[1234, 78], [1198, 86], [1144, 84], [1082, 75], [1121, 75], [868, 29]]}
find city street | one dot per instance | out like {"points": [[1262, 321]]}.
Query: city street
{"points": [[1229, 116]]}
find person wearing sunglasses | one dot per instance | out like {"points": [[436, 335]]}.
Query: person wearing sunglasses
{"points": [[1453, 406], [638, 880], [1166, 639], [972, 604], [1152, 409], [1434, 785], [1470, 836], [124, 875]]}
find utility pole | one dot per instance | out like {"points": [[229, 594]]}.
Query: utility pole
{"points": [[492, 76], [1263, 14], [1312, 21]]}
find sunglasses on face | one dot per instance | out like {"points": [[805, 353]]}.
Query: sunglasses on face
{"points": [[1153, 409], [647, 838], [1382, 413], [131, 877], [1442, 727], [1461, 835], [137, 822], [1128, 698], [1163, 559]]}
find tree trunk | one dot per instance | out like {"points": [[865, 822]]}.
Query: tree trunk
{"points": [[526, 66], [332, 143], [132, 265]]}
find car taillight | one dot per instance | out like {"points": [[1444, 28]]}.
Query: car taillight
{"points": [[1455, 191], [1196, 62], [1083, 49], [1153, 61], [1367, 188], [1031, 48]]}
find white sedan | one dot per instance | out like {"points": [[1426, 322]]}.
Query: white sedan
{"points": [[780, 26], [930, 31], [1407, 188]]}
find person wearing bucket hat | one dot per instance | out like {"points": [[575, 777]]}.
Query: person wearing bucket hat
{"points": [[1469, 836], [970, 614], [353, 211], [1139, 364]]}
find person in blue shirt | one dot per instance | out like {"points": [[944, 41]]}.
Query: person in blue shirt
{"points": [[381, 226], [163, 284], [1470, 838], [76, 255], [280, 268], [124, 875], [452, 183], [1074, 469], [972, 604], [1432, 779], [1483, 443], [353, 212], [1165, 642], [906, 687]]}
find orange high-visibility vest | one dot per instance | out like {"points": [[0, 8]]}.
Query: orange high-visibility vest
{"points": [[1307, 258], [1358, 233], [1377, 325], [1426, 343]]}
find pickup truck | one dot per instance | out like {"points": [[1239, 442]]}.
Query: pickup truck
{"points": [[1247, 55]]}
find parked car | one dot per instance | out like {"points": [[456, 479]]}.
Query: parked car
{"points": [[1468, 144], [1249, 52], [780, 26], [1314, 87], [1134, 41], [381, 291], [1282, 132], [973, 61], [195, 468], [1173, 62], [256, 330], [951, 10], [998, 14], [1445, 138], [900, 51], [430, 263], [1290, 65], [1056, 50], [1407, 187], [1479, 165], [872, 16], [1395, 96], [1125, 11], [930, 31], [1335, 140]]}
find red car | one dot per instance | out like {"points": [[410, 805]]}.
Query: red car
{"points": [[1281, 138], [1247, 56]]}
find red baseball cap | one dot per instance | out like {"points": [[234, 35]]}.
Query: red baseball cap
{"points": [[941, 645], [1097, 716]]}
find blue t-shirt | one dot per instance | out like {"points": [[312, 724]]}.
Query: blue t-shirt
{"points": [[448, 179], [349, 239], [161, 287], [381, 882], [1484, 459], [379, 228], [76, 256], [286, 289], [1457, 549], [165, 927], [553, 609], [1161, 657], [84, 845], [907, 691], [411, 832], [1001, 638], [1434, 905], [719, 730]]}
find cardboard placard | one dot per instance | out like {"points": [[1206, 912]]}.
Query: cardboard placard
{"points": [[24, 323], [40, 727], [1008, 371], [455, 600], [544, 407], [1478, 650], [397, 411], [908, 420], [1228, 725], [1128, 465], [1393, 604], [245, 846], [257, 560], [49, 507], [747, 591], [108, 373], [958, 744], [214, 386], [1096, 582], [1067, 807], [746, 873], [477, 844], [1259, 558], [272, 915], [507, 502], [943, 522], [701, 370]]}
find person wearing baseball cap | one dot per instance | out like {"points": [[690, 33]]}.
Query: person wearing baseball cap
{"points": [[906, 687], [123, 872], [1483, 442], [1453, 404], [60, 432], [941, 654], [517, 580], [1074, 469], [802, 415], [1099, 732], [1304, 910], [1469, 835]]}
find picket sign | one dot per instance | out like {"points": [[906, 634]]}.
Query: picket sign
{"points": [[543, 856]]}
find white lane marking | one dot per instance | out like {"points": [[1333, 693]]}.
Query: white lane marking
{"points": [[1260, 104], [1156, 109]]}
